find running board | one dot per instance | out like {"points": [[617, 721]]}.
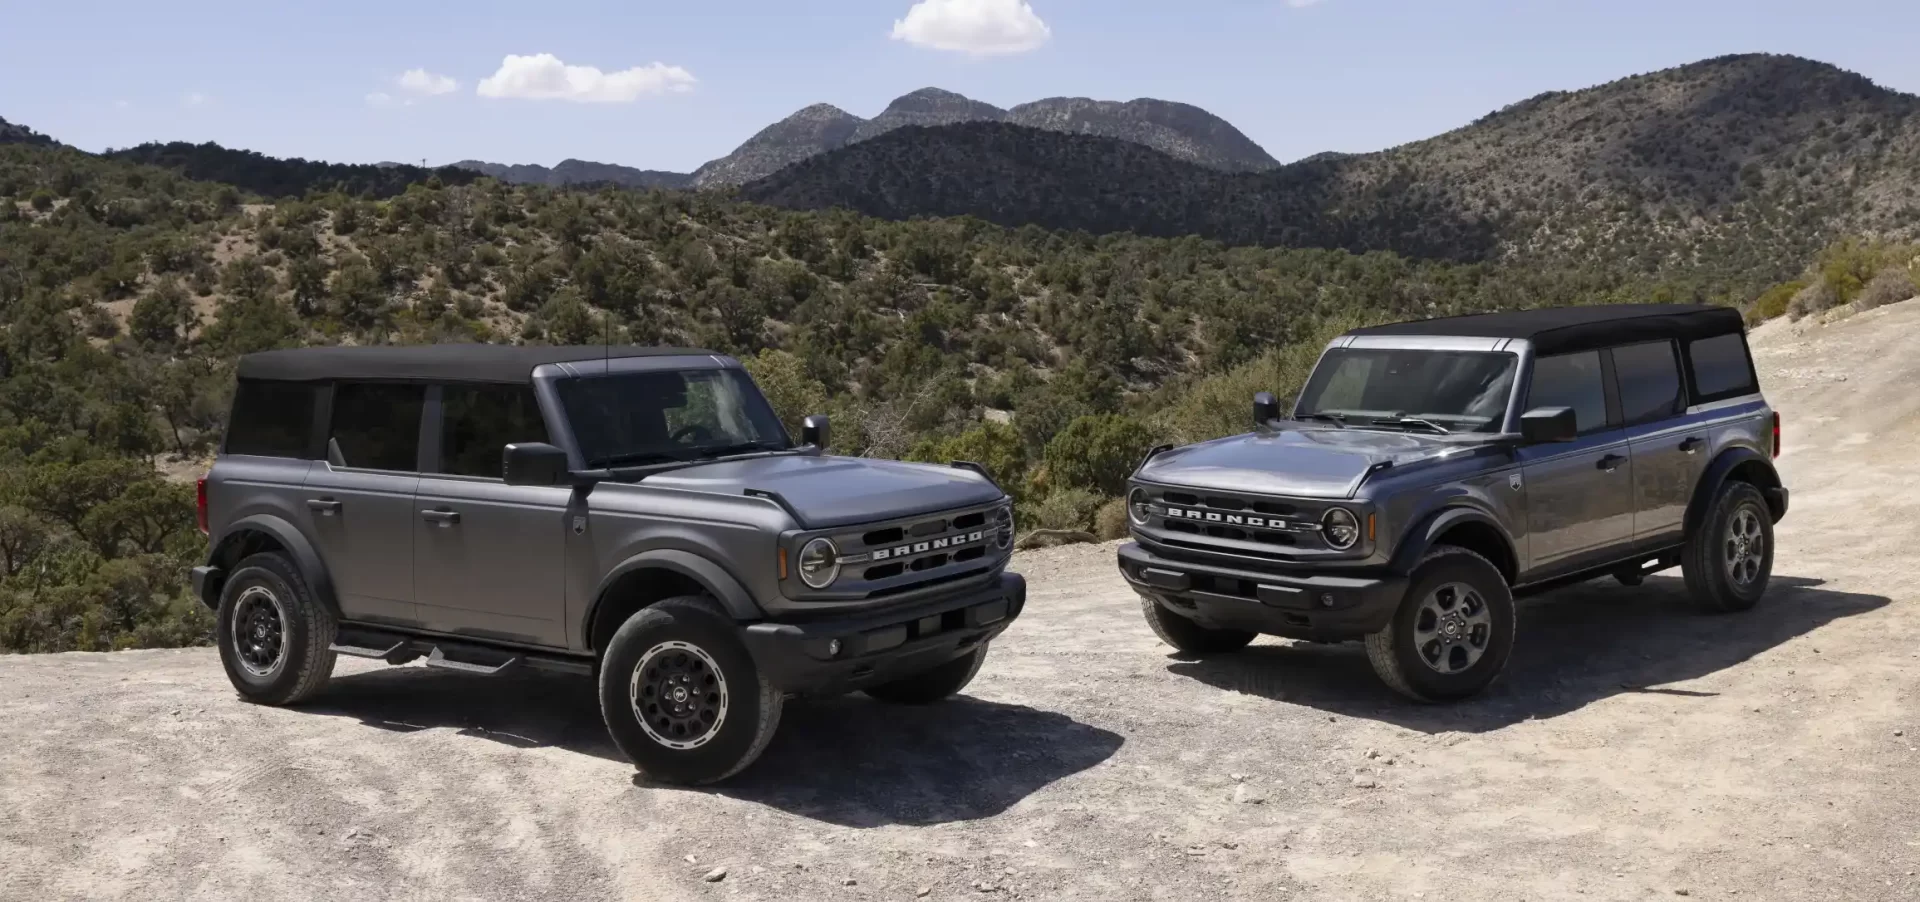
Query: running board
{"points": [[449, 654], [438, 658]]}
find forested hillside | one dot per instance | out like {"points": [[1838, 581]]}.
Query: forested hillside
{"points": [[1738, 168]]}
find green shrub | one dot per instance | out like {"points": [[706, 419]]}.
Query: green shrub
{"points": [[1818, 297], [1061, 509], [995, 446], [1889, 286], [1097, 453], [1773, 303], [1110, 522]]}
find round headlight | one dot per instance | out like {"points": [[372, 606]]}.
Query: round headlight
{"points": [[1340, 527], [819, 563], [1003, 519], [1137, 509]]}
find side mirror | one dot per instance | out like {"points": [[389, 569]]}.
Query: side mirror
{"points": [[1265, 409], [533, 463], [815, 431], [1549, 424]]}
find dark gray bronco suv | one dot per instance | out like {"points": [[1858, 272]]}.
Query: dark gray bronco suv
{"points": [[635, 514], [1432, 471]]}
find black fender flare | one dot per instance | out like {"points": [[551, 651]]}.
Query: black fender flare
{"points": [[711, 576], [1716, 476], [289, 537], [1416, 542]]}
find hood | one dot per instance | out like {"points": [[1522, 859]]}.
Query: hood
{"points": [[1303, 463], [839, 491]]}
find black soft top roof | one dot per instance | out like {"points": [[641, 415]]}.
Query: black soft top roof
{"points": [[1558, 329], [452, 362]]}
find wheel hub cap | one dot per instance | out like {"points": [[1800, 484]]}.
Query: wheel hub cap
{"points": [[259, 631], [1452, 628], [1746, 547], [679, 695]]}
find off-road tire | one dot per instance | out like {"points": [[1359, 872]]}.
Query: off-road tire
{"points": [[1395, 654], [929, 686], [307, 628], [1702, 558], [752, 705], [1189, 637]]}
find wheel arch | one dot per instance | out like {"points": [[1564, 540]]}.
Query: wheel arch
{"points": [[1734, 465], [654, 576], [263, 533], [1465, 527]]}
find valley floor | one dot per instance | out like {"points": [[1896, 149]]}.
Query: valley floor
{"points": [[1635, 750]]}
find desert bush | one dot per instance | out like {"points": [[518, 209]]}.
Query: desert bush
{"points": [[1097, 453], [1773, 303], [1061, 509], [1817, 297], [1889, 286], [1110, 522]]}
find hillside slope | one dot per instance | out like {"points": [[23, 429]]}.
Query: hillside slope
{"points": [[578, 172], [1740, 162]]}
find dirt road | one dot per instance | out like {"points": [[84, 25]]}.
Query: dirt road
{"points": [[1635, 750]]}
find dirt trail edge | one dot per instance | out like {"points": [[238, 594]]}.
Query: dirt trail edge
{"points": [[1635, 750]]}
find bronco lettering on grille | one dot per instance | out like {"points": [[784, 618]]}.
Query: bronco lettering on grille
{"points": [[1204, 516], [953, 541]]}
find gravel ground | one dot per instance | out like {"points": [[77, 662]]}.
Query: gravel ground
{"points": [[1635, 750]]}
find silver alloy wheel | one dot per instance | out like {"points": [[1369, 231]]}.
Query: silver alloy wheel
{"points": [[1453, 628], [1746, 546], [679, 695], [259, 631]]}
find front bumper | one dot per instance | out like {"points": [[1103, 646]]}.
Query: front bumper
{"points": [[1297, 604], [878, 647]]}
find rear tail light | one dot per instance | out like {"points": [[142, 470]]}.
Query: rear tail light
{"points": [[1776, 433], [200, 505]]}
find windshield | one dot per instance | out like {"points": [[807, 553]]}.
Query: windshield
{"points": [[1461, 391], [630, 419]]}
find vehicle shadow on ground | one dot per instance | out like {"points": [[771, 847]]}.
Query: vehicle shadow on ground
{"points": [[1576, 646], [849, 761]]}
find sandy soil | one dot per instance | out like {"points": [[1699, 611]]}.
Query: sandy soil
{"points": [[1635, 750]]}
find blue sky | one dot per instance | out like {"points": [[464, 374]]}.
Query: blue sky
{"points": [[323, 80]]}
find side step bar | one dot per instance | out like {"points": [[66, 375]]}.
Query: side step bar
{"points": [[449, 654]]}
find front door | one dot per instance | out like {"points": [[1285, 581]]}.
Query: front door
{"points": [[489, 558], [358, 503], [1579, 493]]}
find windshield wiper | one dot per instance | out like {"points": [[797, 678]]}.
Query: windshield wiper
{"points": [[1401, 420], [634, 457], [1337, 419], [739, 448]]}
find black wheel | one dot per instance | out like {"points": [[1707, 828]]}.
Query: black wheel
{"points": [[275, 639], [1453, 632], [1190, 637], [681, 696], [1729, 557], [929, 686]]}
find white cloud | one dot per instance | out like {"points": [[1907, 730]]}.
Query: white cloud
{"points": [[383, 99], [543, 76], [1301, 4], [425, 84], [195, 99], [977, 27]]}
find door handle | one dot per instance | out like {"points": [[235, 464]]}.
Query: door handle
{"points": [[1692, 444], [1610, 462], [325, 507], [444, 518]]}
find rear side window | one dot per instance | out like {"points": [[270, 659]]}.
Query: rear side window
{"points": [[271, 419], [477, 421], [376, 426], [1571, 380], [1721, 368], [1649, 377]]}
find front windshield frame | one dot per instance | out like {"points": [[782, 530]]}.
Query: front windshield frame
{"points": [[1311, 402], [732, 415]]}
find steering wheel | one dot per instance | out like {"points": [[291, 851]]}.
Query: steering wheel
{"points": [[692, 434]]}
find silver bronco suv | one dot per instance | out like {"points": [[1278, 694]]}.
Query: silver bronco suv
{"points": [[639, 515], [1433, 471]]}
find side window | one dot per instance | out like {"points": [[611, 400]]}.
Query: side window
{"points": [[1721, 368], [478, 420], [271, 419], [1571, 380], [376, 426], [1649, 378]]}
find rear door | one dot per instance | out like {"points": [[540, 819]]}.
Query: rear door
{"points": [[359, 499], [1579, 493], [489, 558], [1669, 449]]}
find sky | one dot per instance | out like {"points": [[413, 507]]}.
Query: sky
{"points": [[671, 85]]}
